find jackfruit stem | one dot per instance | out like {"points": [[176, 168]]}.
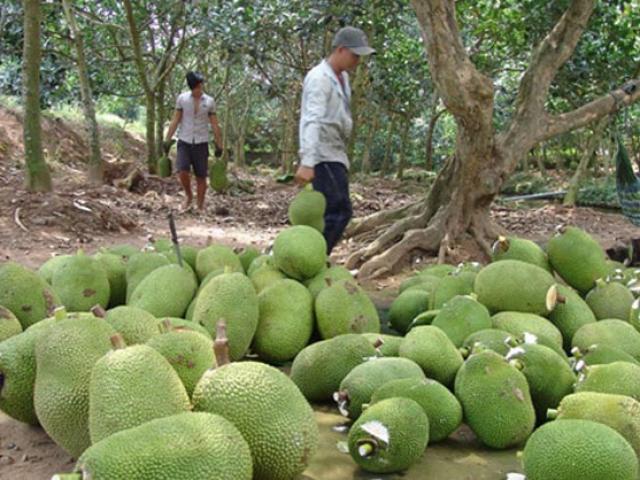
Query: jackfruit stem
{"points": [[221, 344], [366, 448], [516, 364], [118, 342], [60, 313], [165, 326], [464, 351], [378, 343], [561, 299], [552, 414], [552, 298], [98, 311]]}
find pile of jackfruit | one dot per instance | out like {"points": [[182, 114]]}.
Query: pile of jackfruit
{"points": [[166, 364]]}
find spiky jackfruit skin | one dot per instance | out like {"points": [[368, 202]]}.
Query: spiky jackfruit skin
{"points": [[430, 348], [620, 378], [488, 339], [549, 376], [577, 258], [320, 367], [332, 274], [519, 323], [231, 297], [215, 257], [452, 285], [344, 307], [616, 411], [182, 324], [614, 333], [189, 255], [307, 208], [260, 262], [442, 407], [360, 383], [521, 249], [570, 314], [440, 270], [300, 252], [270, 412], [47, 269], [189, 353], [9, 324], [495, 399], [197, 446], [140, 265], [116, 270], [580, 450], [399, 429], [512, 285], [286, 321], [390, 343], [134, 324], [407, 306], [425, 282], [64, 359], [27, 295], [265, 276], [610, 300], [81, 283], [165, 292], [460, 317], [248, 255], [603, 354], [218, 179], [131, 386], [124, 250]]}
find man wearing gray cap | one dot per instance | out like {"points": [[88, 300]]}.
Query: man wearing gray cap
{"points": [[325, 127]]}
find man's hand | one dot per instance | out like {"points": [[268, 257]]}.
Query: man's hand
{"points": [[166, 146], [218, 151], [304, 175]]}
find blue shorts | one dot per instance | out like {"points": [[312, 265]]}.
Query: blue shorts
{"points": [[193, 155]]}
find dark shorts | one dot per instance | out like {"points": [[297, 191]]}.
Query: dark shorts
{"points": [[194, 155]]}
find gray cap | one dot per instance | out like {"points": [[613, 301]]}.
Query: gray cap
{"points": [[354, 39]]}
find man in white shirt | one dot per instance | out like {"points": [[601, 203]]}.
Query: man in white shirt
{"points": [[195, 111], [325, 127]]}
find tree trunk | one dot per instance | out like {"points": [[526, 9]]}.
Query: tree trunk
{"points": [[435, 116], [357, 99], [38, 178], [404, 139], [590, 149], [386, 161], [366, 153], [151, 133], [161, 116], [96, 166]]}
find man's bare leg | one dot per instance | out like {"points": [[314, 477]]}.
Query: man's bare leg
{"points": [[185, 180], [201, 188]]}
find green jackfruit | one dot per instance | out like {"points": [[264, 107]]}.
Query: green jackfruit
{"points": [[47, 269], [134, 324], [634, 314], [332, 274], [189, 353], [162, 245], [357, 387], [389, 436], [570, 314], [610, 300], [513, 248], [197, 446], [425, 282], [407, 306], [580, 450], [616, 411], [140, 265], [64, 359], [124, 250], [578, 258], [613, 333], [81, 283], [189, 255], [495, 399], [182, 324], [601, 354], [270, 412], [248, 255], [519, 323], [208, 278], [390, 344], [215, 257], [300, 252], [259, 262], [27, 295], [265, 277], [165, 292], [130, 386], [442, 407], [620, 378], [488, 339], [549, 376], [231, 297], [452, 285], [307, 208], [320, 367], [460, 317], [116, 270], [218, 179], [430, 348], [188, 315], [286, 321], [9, 324], [516, 286], [425, 318], [440, 270], [344, 307]]}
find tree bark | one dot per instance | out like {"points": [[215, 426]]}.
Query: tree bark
{"points": [[365, 165], [96, 165], [402, 162], [388, 154], [435, 116], [38, 178], [161, 116]]}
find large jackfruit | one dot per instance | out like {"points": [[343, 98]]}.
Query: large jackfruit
{"points": [[326, 277], [307, 208], [513, 248], [9, 324], [610, 300], [578, 449], [165, 292], [495, 399], [344, 307], [320, 367], [134, 324], [130, 386], [456, 283], [300, 252], [215, 257], [613, 333], [116, 270], [194, 446], [48, 268], [460, 317], [601, 354], [248, 255], [519, 323], [500, 341], [620, 378], [270, 412], [265, 276], [389, 436], [386, 345], [26, 294], [578, 258], [571, 313], [425, 282], [140, 265], [407, 306], [125, 250], [81, 283], [182, 324], [286, 321]]}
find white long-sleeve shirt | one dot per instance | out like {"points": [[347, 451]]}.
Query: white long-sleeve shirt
{"points": [[325, 117]]}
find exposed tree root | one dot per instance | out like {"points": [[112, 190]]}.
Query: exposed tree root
{"points": [[376, 220]]}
